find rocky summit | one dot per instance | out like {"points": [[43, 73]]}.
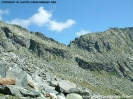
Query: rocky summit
{"points": [[93, 66]]}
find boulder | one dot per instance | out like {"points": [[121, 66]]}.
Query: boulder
{"points": [[27, 93], [73, 96], [61, 94], [17, 91], [74, 90], [48, 89], [10, 90], [64, 86], [85, 94], [13, 71], [60, 97]]}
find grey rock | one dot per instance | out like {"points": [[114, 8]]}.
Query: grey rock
{"points": [[42, 96], [33, 86], [27, 93], [48, 89], [22, 41], [74, 90], [61, 94], [17, 91], [65, 86], [36, 78], [29, 78], [73, 96], [11, 90], [85, 94], [15, 72], [53, 83], [60, 97], [3, 69]]}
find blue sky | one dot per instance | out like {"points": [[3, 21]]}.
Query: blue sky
{"points": [[67, 19]]}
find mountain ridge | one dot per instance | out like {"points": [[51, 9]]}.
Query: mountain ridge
{"points": [[85, 61]]}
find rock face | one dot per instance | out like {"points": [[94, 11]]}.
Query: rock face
{"points": [[110, 51], [34, 66]]}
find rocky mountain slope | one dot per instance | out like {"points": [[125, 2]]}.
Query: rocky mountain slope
{"points": [[110, 51], [97, 65]]}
